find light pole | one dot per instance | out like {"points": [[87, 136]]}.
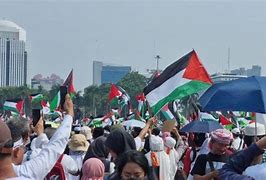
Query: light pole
{"points": [[157, 63]]}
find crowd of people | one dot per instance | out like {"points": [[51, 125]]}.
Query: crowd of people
{"points": [[114, 153]]}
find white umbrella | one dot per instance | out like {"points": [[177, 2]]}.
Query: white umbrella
{"points": [[134, 123]]}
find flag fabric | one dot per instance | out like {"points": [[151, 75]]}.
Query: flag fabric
{"points": [[15, 105], [108, 119], [114, 94], [184, 77], [116, 112], [140, 99], [35, 98], [224, 121], [55, 102], [118, 96], [45, 107], [124, 99], [167, 113], [69, 84]]}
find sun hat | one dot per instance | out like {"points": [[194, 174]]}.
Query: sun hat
{"points": [[78, 142]]}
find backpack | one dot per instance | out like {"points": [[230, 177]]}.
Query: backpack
{"points": [[187, 159], [57, 173]]}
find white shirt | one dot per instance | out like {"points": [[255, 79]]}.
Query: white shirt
{"points": [[138, 143], [41, 165], [70, 167], [78, 159], [237, 144]]}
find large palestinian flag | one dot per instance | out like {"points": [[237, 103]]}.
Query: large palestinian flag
{"points": [[182, 78], [15, 105]]}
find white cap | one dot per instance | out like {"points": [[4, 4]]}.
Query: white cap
{"points": [[235, 131], [250, 130]]}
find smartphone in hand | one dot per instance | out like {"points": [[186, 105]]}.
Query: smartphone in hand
{"points": [[36, 115], [63, 93]]}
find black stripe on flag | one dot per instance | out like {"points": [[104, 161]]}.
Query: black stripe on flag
{"points": [[169, 72]]}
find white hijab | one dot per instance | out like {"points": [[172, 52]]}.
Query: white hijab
{"points": [[173, 156], [157, 146]]}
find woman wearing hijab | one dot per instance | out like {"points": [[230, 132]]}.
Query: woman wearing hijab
{"points": [[98, 150], [119, 142], [93, 169], [158, 159]]}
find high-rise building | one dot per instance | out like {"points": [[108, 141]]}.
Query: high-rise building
{"points": [[97, 70], [108, 73], [13, 56]]}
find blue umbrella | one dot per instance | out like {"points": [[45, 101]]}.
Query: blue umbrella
{"points": [[198, 126], [245, 94]]}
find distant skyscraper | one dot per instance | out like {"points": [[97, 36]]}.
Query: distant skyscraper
{"points": [[97, 70], [108, 73], [13, 56]]}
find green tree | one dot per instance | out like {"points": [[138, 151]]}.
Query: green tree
{"points": [[133, 83]]}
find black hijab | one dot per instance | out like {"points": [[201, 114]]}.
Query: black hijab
{"points": [[97, 149], [119, 141]]}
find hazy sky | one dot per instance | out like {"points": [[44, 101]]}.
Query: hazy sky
{"points": [[69, 34]]}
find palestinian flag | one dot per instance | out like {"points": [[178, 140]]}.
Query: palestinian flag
{"points": [[167, 113], [15, 105], [69, 84], [140, 99], [45, 107], [55, 102], [124, 98], [182, 78], [35, 98], [114, 95]]}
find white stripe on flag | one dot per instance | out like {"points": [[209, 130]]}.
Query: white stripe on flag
{"points": [[166, 88]]}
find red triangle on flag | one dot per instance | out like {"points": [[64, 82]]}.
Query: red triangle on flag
{"points": [[224, 120], [140, 97], [69, 83], [195, 70], [114, 92], [19, 106]]}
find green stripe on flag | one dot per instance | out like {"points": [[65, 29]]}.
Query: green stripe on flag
{"points": [[55, 102], [180, 92]]}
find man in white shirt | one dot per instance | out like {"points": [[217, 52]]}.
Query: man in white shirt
{"points": [[40, 166]]}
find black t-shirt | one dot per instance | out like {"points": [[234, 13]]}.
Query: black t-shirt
{"points": [[202, 165]]}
